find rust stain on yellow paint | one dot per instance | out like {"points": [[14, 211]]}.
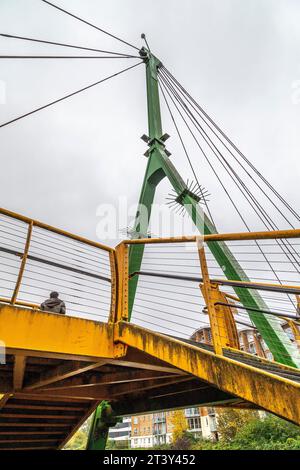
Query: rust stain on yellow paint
{"points": [[271, 392], [30, 330]]}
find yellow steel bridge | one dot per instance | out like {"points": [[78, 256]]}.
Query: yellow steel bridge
{"points": [[55, 369], [128, 340]]}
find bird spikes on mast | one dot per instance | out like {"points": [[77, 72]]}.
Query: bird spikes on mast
{"points": [[133, 234], [192, 189]]}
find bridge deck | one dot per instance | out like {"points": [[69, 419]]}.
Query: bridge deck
{"points": [[59, 368]]}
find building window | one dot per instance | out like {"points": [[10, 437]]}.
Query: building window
{"points": [[192, 412], [194, 423], [213, 424]]}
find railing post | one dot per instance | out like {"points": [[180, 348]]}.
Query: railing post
{"points": [[23, 264], [295, 330], [122, 289], [119, 283], [119, 310], [258, 347], [245, 342], [209, 292], [223, 329], [298, 304], [114, 286]]}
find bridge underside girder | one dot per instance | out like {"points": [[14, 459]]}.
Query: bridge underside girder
{"points": [[58, 369], [268, 385]]}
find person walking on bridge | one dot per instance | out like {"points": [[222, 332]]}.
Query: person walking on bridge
{"points": [[54, 304]]}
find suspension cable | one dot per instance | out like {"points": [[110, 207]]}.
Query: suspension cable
{"points": [[69, 95], [239, 213], [89, 24], [231, 171], [296, 215], [185, 150], [65, 57], [230, 151], [42, 41]]}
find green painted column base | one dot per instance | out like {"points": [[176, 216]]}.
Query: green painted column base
{"points": [[103, 419]]}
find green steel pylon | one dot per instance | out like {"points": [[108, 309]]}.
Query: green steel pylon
{"points": [[102, 420], [159, 166]]}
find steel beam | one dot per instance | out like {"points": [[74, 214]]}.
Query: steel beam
{"points": [[268, 391], [62, 372], [201, 397], [48, 333], [108, 379], [19, 371]]}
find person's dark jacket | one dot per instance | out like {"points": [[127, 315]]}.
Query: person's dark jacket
{"points": [[54, 305]]}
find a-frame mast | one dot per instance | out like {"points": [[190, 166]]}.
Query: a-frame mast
{"points": [[159, 166]]}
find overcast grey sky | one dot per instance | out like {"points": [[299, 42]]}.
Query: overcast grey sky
{"points": [[239, 59]]}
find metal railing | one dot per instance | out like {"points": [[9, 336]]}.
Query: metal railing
{"points": [[181, 290], [36, 259]]}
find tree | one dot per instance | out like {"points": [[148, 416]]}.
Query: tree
{"points": [[181, 438], [231, 420], [78, 441], [179, 424], [269, 433]]}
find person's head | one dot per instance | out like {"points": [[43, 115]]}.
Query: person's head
{"points": [[54, 295]]}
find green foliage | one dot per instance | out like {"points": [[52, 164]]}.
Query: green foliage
{"points": [[110, 445], [231, 420], [238, 430], [78, 441], [162, 447], [183, 441], [181, 438], [117, 445], [179, 424], [270, 433]]}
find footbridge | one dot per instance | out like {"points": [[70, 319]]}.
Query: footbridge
{"points": [[57, 369]]}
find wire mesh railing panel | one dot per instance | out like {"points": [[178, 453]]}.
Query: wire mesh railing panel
{"points": [[69, 253], [169, 298], [12, 240], [274, 262], [79, 271], [266, 263], [169, 305], [9, 269], [84, 296]]}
